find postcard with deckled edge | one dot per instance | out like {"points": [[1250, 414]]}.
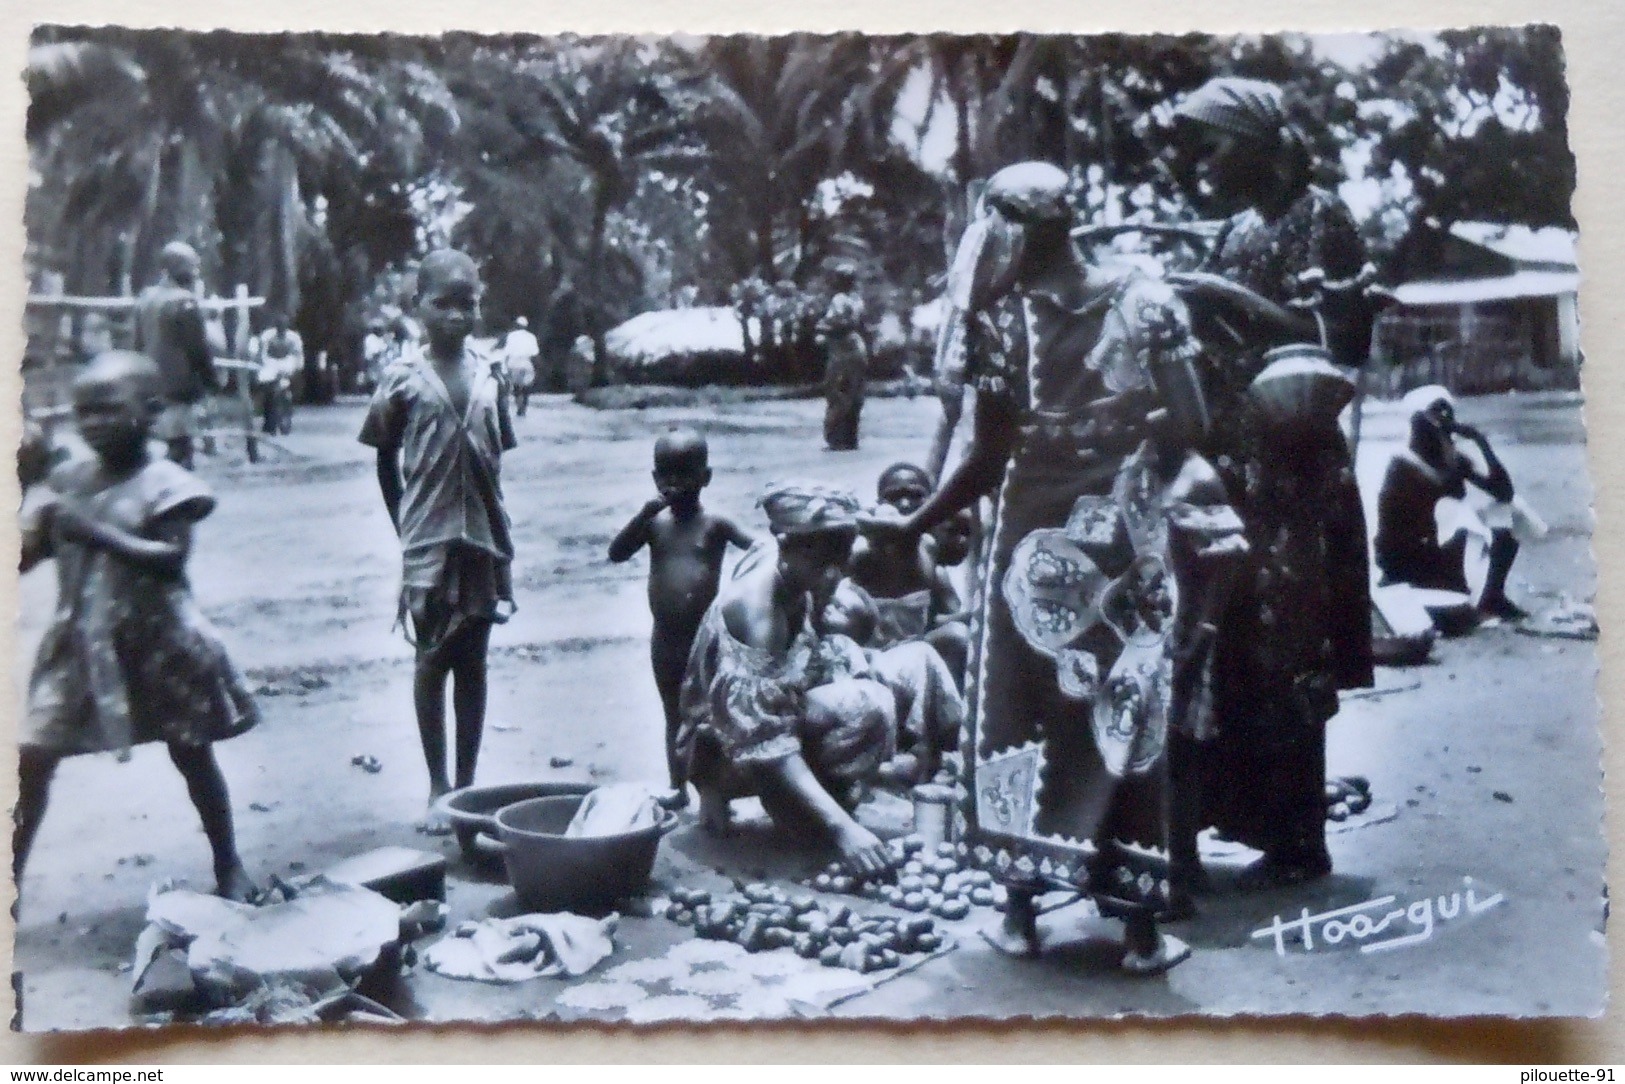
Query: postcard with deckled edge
{"points": [[644, 529]]}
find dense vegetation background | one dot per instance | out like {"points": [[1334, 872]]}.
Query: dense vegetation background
{"points": [[596, 179]]}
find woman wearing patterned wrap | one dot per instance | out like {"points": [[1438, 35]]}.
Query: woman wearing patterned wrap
{"points": [[840, 333], [1084, 645], [1287, 268], [779, 703]]}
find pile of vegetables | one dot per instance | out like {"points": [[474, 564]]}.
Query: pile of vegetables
{"points": [[761, 917], [932, 881]]}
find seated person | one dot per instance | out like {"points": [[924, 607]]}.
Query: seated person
{"points": [[1432, 469], [779, 705], [927, 708], [913, 597]]}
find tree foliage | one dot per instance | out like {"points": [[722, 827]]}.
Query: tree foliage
{"points": [[598, 177]]}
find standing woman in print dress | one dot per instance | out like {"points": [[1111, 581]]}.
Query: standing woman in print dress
{"points": [[846, 365], [1101, 514], [1288, 267]]}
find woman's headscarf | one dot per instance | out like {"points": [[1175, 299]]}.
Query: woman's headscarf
{"points": [[1029, 192], [1249, 108], [1017, 196], [1419, 399], [797, 508]]}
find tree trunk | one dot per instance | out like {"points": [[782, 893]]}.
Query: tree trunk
{"points": [[594, 313], [964, 166], [765, 264]]}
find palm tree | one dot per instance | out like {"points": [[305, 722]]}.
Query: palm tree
{"points": [[232, 142], [615, 110], [783, 114]]}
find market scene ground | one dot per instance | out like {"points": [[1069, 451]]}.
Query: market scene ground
{"points": [[1483, 764]]}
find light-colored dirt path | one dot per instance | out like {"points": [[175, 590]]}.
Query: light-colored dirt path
{"points": [[298, 568]]}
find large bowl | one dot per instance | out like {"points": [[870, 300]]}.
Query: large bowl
{"points": [[586, 875], [473, 811]]}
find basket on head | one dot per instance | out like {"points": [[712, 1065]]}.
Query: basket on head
{"points": [[1300, 390]]}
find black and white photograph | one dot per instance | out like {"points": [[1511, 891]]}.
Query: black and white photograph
{"points": [[647, 529]]}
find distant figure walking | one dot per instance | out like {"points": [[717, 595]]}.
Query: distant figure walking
{"points": [[170, 330], [846, 365], [280, 353], [520, 350]]}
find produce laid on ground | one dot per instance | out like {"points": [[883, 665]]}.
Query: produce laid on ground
{"points": [[1347, 797], [926, 880], [761, 917]]}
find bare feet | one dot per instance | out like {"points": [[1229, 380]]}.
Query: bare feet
{"points": [[1017, 933], [1169, 952], [716, 814], [862, 852], [435, 822], [233, 883]]}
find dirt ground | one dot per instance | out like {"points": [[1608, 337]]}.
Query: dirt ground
{"points": [[1488, 758]]}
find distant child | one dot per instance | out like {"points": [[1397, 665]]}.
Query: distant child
{"points": [[440, 422], [686, 546], [913, 599], [128, 657]]}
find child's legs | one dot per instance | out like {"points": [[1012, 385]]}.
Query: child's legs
{"points": [[1186, 776], [207, 787], [36, 767], [466, 653], [429, 700], [668, 655]]}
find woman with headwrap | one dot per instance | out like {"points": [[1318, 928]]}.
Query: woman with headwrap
{"points": [[1287, 268], [779, 703], [1086, 642]]}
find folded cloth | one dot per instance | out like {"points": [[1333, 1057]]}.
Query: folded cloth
{"points": [[504, 950], [614, 810]]}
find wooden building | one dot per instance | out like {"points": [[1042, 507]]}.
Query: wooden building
{"points": [[1482, 308]]}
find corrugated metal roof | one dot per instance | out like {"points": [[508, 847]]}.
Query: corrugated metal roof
{"points": [[1499, 288], [1549, 245]]}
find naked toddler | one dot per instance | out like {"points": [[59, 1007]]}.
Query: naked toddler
{"points": [[686, 546]]}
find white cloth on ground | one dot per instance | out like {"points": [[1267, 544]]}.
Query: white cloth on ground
{"points": [[505, 950]]}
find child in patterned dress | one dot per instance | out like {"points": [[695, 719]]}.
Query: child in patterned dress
{"points": [[128, 657]]}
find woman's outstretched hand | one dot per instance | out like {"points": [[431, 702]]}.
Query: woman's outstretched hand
{"points": [[887, 530], [862, 852]]}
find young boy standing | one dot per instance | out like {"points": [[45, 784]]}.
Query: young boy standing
{"points": [[440, 423], [686, 545]]}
